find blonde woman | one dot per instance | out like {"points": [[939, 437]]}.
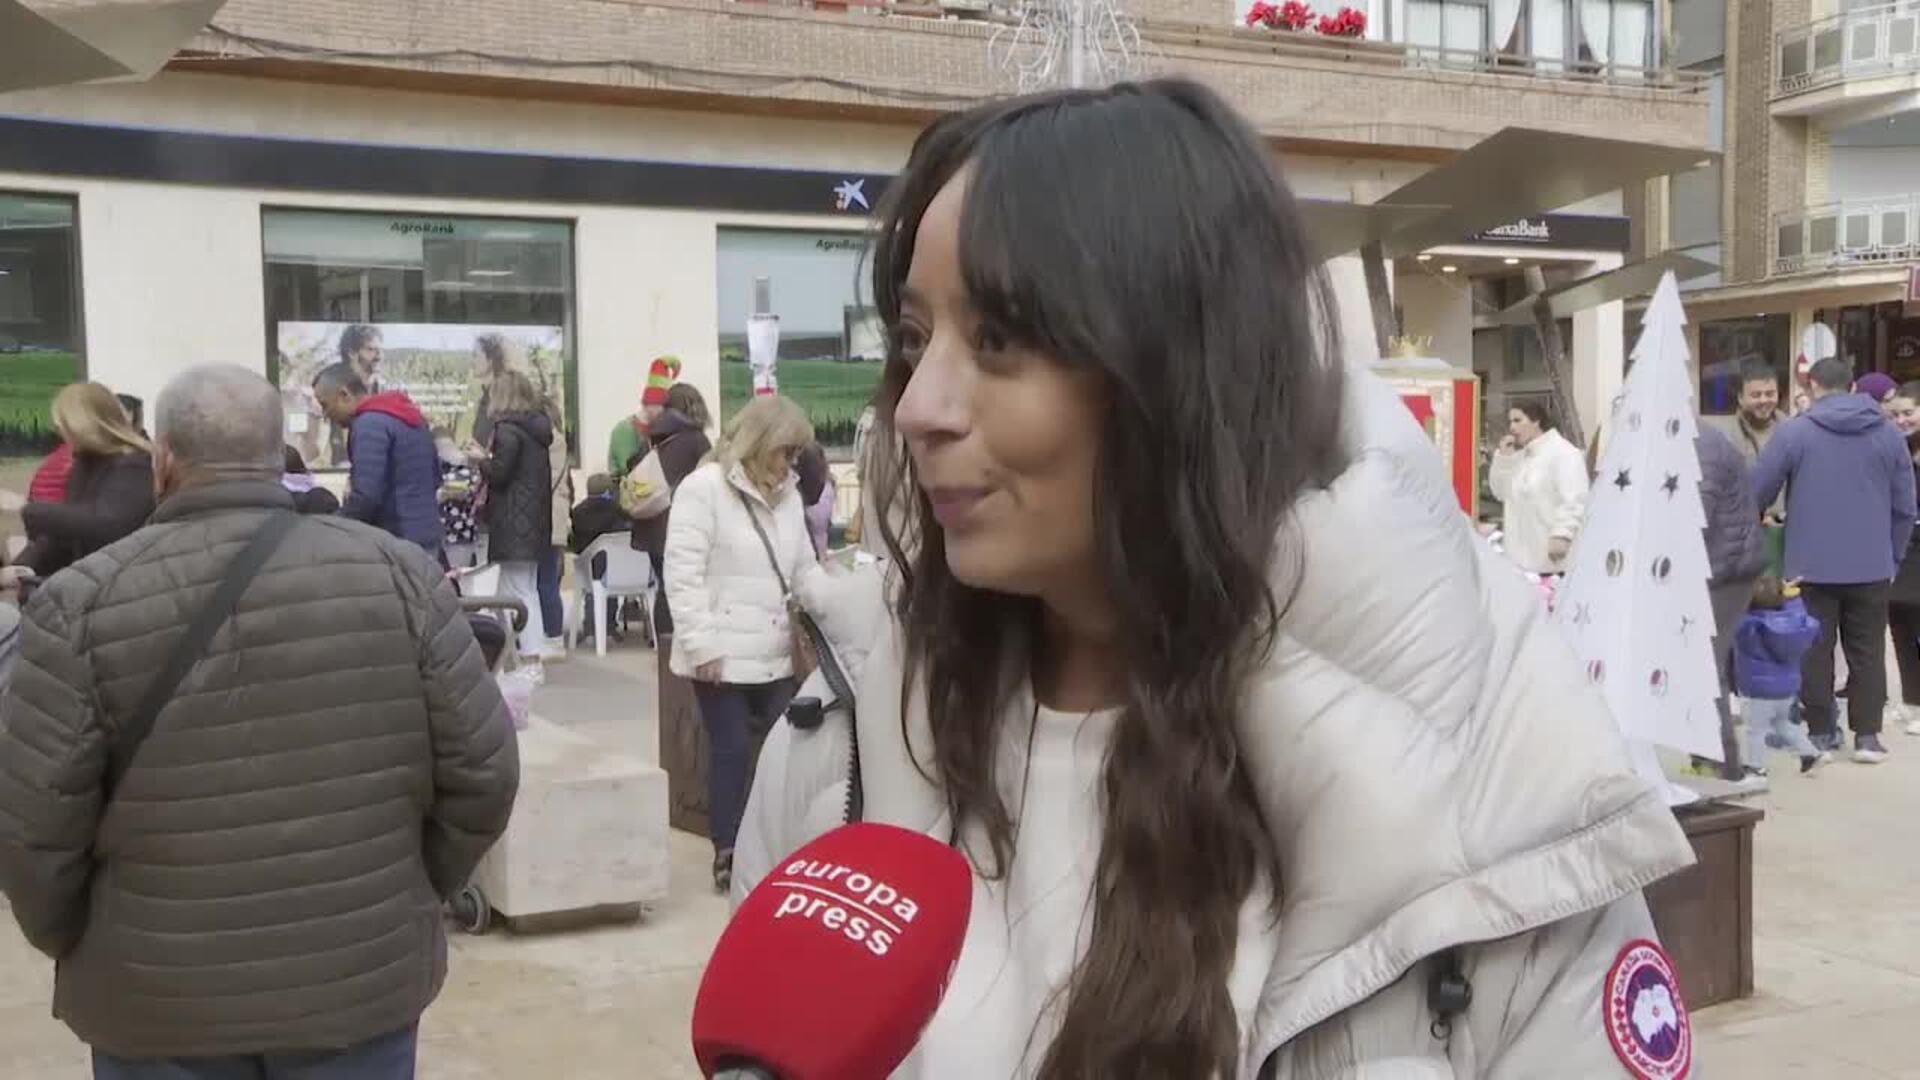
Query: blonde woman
{"points": [[737, 545], [109, 491], [519, 512]]}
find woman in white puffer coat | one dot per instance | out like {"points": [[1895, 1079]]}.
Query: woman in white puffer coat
{"points": [[1541, 481], [1264, 765], [737, 543]]}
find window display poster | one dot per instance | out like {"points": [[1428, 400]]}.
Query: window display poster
{"points": [[443, 367]]}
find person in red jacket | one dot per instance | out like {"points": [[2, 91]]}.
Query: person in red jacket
{"points": [[49, 483]]}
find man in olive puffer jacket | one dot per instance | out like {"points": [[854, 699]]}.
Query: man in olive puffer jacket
{"points": [[262, 888]]}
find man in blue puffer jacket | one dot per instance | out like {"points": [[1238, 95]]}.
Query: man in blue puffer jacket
{"points": [[395, 479], [1850, 512]]}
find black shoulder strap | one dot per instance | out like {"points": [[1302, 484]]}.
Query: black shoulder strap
{"points": [[188, 650], [830, 668]]}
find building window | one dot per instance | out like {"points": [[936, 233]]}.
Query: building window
{"points": [[794, 300], [1617, 33], [1728, 345], [422, 303], [40, 341], [1450, 26]]}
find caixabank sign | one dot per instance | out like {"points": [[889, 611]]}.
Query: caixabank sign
{"points": [[1576, 232]]}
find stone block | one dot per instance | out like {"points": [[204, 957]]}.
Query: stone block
{"points": [[589, 830]]}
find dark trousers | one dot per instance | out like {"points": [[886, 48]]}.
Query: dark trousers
{"points": [[1858, 614], [733, 714], [389, 1057], [553, 617], [662, 615], [1903, 622], [1730, 601]]}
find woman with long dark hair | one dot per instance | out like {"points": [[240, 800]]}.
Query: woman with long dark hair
{"points": [[1261, 759]]}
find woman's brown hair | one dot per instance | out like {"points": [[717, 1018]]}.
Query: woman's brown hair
{"points": [[90, 418], [1140, 233], [512, 392]]}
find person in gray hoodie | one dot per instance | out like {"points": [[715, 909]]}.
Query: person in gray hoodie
{"points": [[1850, 513]]}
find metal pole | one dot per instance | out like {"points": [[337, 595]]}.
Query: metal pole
{"points": [[1380, 297], [1076, 43], [1553, 349]]}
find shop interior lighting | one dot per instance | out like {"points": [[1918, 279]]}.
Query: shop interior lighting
{"points": [[1424, 258], [1449, 269], [1511, 261]]}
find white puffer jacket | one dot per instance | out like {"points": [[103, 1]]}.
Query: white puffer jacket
{"points": [[726, 600], [1436, 773]]}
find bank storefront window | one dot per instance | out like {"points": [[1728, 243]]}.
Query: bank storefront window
{"points": [[793, 300], [40, 341], [424, 303]]}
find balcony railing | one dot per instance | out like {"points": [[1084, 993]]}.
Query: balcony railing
{"points": [[1863, 232], [1861, 43], [1398, 51]]}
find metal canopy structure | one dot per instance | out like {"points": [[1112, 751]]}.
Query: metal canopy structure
{"points": [[1633, 279], [1519, 172], [1512, 175], [1336, 228], [94, 43]]}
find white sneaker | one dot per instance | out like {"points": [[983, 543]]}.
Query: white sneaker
{"points": [[1913, 726], [553, 650]]}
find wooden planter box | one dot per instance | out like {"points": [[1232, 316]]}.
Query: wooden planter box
{"points": [[683, 749], [1705, 913]]}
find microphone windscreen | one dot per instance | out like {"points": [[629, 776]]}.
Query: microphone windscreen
{"points": [[835, 962]]}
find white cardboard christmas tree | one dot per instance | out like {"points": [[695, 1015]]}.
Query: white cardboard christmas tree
{"points": [[1634, 604]]}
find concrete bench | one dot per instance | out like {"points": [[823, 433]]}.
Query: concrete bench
{"points": [[588, 837]]}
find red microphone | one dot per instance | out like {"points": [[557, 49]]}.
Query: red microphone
{"points": [[834, 964]]}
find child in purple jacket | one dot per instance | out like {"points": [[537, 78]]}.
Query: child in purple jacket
{"points": [[1767, 649]]}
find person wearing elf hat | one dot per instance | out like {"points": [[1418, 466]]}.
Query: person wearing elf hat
{"points": [[628, 442]]}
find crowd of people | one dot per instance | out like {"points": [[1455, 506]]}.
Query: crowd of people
{"points": [[218, 476], [1837, 479]]}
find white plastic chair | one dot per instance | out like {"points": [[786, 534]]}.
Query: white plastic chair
{"points": [[629, 574]]}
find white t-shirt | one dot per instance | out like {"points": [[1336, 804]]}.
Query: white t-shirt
{"points": [[1029, 929]]}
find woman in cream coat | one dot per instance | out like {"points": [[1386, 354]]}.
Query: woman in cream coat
{"points": [[1266, 767], [736, 542]]}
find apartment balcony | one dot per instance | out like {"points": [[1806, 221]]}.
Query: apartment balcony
{"points": [[1441, 85], [1860, 65], [1853, 235]]}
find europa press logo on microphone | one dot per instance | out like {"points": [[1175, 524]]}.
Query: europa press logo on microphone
{"points": [[845, 900]]}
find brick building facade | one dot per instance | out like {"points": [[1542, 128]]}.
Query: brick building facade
{"points": [[1815, 213], [636, 176]]}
